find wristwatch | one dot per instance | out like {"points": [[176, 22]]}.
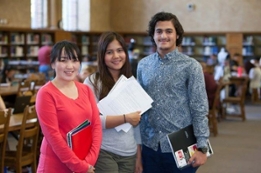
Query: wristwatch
{"points": [[203, 150]]}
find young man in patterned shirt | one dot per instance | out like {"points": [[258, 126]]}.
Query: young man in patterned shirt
{"points": [[176, 84]]}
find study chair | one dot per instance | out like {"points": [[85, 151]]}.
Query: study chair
{"points": [[37, 81], [4, 123], [25, 88], [25, 153], [255, 95], [36, 77], [36, 86], [215, 110], [238, 100]]}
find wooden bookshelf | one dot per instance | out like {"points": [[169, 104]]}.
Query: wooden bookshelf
{"points": [[142, 42], [251, 44], [87, 42], [201, 45], [19, 46]]}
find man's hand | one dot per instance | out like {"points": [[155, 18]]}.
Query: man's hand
{"points": [[198, 159]]}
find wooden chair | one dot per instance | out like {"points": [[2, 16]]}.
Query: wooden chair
{"points": [[239, 100], [215, 110], [36, 77], [36, 86], [25, 153], [4, 123], [25, 88], [255, 95]]}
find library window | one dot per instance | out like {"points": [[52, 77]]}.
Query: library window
{"points": [[76, 15], [39, 16]]}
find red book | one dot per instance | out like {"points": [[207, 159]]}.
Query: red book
{"points": [[79, 139]]}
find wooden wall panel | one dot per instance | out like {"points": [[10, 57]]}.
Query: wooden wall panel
{"points": [[17, 12], [234, 44], [101, 15], [208, 16], [134, 15], [62, 35]]}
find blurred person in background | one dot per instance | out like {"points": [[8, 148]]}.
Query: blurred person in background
{"points": [[44, 59], [255, 80]]}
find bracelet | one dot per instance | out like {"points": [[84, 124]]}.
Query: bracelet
{"points": [[124, 118]]}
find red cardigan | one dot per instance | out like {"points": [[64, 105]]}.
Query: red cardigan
{"points": [[59, 114]]}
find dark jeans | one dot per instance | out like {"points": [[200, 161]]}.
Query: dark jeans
{"points": [[158, 162]]}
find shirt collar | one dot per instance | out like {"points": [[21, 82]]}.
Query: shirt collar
{"points": [[169, 55]]}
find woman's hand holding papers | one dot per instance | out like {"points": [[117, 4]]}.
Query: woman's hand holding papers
{"points": [[133, 118]]}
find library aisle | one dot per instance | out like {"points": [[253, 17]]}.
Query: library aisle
{"points": [[237, 147]]}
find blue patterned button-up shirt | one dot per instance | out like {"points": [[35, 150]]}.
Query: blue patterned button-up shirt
{"points": [[176, 84]]}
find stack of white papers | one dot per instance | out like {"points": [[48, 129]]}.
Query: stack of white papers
{"points": [[125, 97]]}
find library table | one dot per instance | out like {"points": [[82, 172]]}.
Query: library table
{"points": [[8, 90], [16, 122]]}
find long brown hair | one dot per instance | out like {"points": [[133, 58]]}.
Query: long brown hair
{"points": [[103, 75]]}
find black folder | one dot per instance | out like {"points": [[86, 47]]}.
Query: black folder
{"points": [[183, 144]]}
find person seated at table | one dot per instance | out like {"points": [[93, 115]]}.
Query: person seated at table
{"points": [[8, 74], [234, 63], [212, 60], [7, 78], [255, 80]]}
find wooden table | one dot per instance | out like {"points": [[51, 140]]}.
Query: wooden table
{"points": [[238, 80], [8, 90], [16, 122]]}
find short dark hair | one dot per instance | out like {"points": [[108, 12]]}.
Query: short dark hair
{"points": [[70, 48], [165, 16]]}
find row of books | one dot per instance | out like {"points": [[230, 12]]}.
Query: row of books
{"points": [[31, 38]]}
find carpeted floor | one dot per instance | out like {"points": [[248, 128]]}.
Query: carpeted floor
{"points": [[237, 148]]}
